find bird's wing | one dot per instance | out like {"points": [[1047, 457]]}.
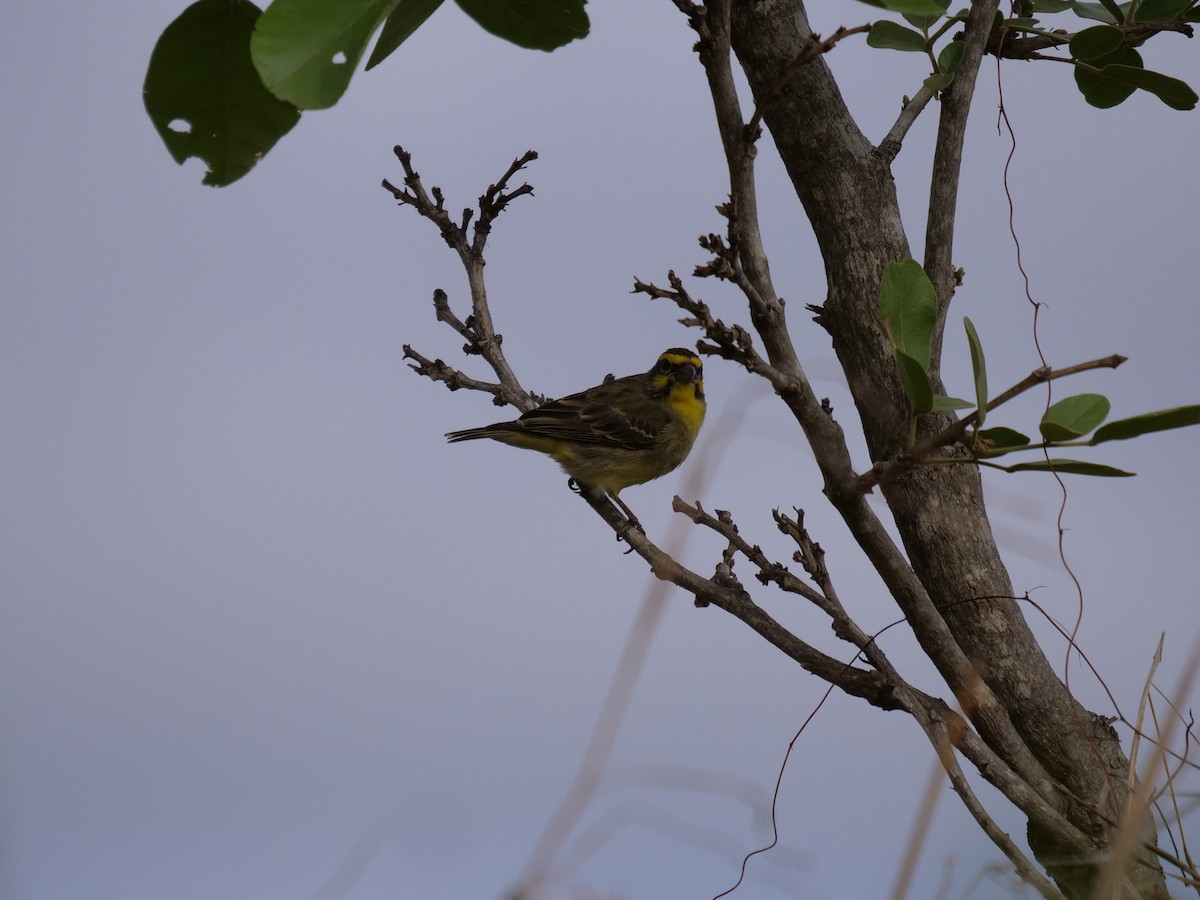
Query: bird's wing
{"points": [[598, 416]]}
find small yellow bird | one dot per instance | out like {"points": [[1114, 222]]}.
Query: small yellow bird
{"points": [[623, 432]]}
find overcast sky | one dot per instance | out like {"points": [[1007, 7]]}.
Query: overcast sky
{"points": [[255, 613]]}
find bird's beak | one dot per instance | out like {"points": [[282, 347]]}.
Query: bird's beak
{"points": [[686, 374]]}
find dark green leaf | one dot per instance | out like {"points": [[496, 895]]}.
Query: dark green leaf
{"points": [[916, 384], [1074, 417], [927, 21], [979, 370], [889, 35], [935, 83], [1101, 91], [1117, 10], [1162, 420], [908, 305], [951, 56], [1050, 6], [1020, 22], [204, 96], [1171, 91], [1001, 439], [306, 50], [407, 17], [911, 7], [1160, 10], [1096, 42], [1097, 12], [1070, 467], [942, 403], [533, 24]]}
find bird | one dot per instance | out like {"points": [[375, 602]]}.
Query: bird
{"points": [[622, 432]]}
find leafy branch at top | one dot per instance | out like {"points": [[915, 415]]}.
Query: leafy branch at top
{"points": [[1108, 68]]}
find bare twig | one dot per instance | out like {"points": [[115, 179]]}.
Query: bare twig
{"points": [[909, 111], [478, 329], [947, 168], [732, 342]]}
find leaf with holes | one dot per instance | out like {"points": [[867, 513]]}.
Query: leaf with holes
{"points": [[1073, 417], [306, 50], [204, 95]]}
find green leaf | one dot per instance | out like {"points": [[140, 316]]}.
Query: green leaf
{"points": [[1162, 420], [204, 96], [1098, 12], [888, 35], [1069, 467], [1160, 10], [927, 21], [407, 17], [1073, 417], [1001, 439], [306, 50], [1171, 91], [915, 379], [1101, 91], [935, 83], [979, 370], [911, 7], [908, 305], [1119, 11], [1096, 42], [951, 56], [533, 24], [1050, 6], [941, 403]]}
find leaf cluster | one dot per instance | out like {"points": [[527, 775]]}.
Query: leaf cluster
{"points": [[227, 80], [908, 307], [1108, 67]]}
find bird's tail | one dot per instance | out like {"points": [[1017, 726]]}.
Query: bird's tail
{"points": [[468, 434]]}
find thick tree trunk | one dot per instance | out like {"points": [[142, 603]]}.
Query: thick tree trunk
{"points": [[1069, 755]]}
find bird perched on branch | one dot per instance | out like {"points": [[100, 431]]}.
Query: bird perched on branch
{"points": [[622, 432]]}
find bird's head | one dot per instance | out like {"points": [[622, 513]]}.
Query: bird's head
{"points": [[677, 374]]}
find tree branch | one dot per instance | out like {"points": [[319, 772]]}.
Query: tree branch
{"points": [[478, 329], [884, 472], [947, 167], [911, 108]]}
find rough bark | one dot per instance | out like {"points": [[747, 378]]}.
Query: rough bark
{"points": [[1069, 755]]}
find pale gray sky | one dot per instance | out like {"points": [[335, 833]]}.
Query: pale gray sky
{"points": [[254, 608]]}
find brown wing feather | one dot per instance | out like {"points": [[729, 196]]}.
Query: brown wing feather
{"points": [[595, 417]]}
